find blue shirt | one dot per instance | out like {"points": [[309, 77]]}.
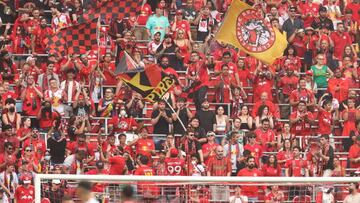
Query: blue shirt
{"points": [[157, 24]]}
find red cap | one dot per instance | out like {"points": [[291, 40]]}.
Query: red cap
{"points": [[174, 152], [309, 72], [81, 96], [26, 179]]}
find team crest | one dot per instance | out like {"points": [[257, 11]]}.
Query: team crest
{"points": [[253, 32], [123, 125]]}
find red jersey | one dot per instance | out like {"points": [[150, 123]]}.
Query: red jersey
{"points": [[303, 127], [25, 195], [343, 84], [349, 124], [288, 84], [37, 145], [10, 158], [201, 72], [341, 41], [275, 198], [244, 76], [207, 147], [98, 187], [232, 67], [121, 125], [219, 167], [354, 152], [283, 155], [325, 121], [256, 151], [117, 165], [249, 190], [40, 35], [271, 171], [312, 9], [304, 95], [260, 86], [272, 108], [296, 167], [7, 95], [182, 25], [174, 166], [264, 138], [145, 146], [109, 78], [32, 102], [145, 12]]}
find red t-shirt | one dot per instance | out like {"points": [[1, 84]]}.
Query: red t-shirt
{"points": [[341, 40], [7, 95], [301, 128], [10, 158], [288, 84], [305, 95], [98, 187], [244, 76], [25, 195], [207, 147], [256, 151], [296, 167], [264, 137], [219, 167], [174, 166], [37, 145], [354, 152], [232, 67], [283, 155], [261, 86], [117, 165], [325, 121], [271, 171], [249, 190], [145, 146], [272, 108], [32, 102], [121, 125], [343, 84]]}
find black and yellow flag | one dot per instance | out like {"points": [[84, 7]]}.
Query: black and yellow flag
{"points": [[245, 28], [151, 83]]}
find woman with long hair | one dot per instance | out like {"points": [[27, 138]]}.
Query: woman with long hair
{"points": [[222, 121], [182, 43], [263, 113], [46, 117], [271, 167], [285, 154], [246, 119], [285, 134]]}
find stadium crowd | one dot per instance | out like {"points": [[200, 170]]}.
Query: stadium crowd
{"points": [[228, 113]]}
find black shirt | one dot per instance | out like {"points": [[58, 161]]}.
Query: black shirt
{"points": [[162, 126], [330, 163], [178, 129], [207, 119], [320, 23], [289, 26], [57, 150]]}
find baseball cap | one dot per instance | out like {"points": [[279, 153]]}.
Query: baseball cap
{"points": [[309, 72], [26, 179], [210, 133], [56, 181], [322, 9], [174, 152]]}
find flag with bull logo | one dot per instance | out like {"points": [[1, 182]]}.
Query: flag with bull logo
{"points": [[151, 82], [244, 27]]}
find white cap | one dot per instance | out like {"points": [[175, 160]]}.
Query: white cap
{"points": [[56, 181]]}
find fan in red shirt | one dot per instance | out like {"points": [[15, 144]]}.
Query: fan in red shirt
{"points": [[254, 148], [302, 94], [38, 145], [38, 36], [288, 83], [208, 148], [274, 196], [325, 116], [341, 39], [174, 165], [197, 76], [223, 84], [8, 93], [301, 120], [8, 157], [99, 170], [264, 100], [297, 167], [25, 193], [250, 170], [265, 136], [121, 123], [271, 168], [31, 96], [117, 162], [338, 86], [219, 165], [263, 82], [180, 23], [144, 145], [354, 154], [243, 73], [146, 189]]}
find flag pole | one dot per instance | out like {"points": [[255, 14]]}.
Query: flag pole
{"points": [[177, 116]]}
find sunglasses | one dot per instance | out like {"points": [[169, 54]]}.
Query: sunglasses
{"points": [[10, 148], [28, 150]]}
